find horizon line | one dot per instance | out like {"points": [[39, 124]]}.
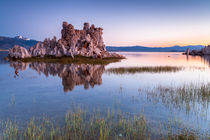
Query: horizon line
{"points": [[120, 45]]}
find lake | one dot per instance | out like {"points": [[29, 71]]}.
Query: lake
{"points": [[35, 89]]}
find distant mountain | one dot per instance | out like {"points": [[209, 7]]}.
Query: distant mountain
{"points": [[23, 38], [7, 42], [153, 49]]}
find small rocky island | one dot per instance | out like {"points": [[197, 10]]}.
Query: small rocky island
{"points": [[202, 52], [87, 42]]}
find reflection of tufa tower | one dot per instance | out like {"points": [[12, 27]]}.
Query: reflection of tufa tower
{"points": [[188, 51], [72, 74], [84, 74]]}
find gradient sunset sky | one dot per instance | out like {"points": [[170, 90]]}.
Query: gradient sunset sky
{"points": [[125, 22]]}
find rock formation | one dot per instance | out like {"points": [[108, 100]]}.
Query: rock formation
{"points": [[87, 42], [19, 52], [203, 51], [71, 74]]}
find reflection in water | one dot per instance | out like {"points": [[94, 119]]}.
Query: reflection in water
{"points": [[160, 95], [72, 74], [17, 65], [206, 59], [16, 73], [137, 59], [3, 54]]}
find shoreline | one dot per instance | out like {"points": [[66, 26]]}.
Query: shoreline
{"points": [[68, 60]]}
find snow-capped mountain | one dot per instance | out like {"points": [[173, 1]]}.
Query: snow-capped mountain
{"points": [[23, 38], [8, 42]]}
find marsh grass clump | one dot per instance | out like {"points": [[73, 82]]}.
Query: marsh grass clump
{"points": [[68, 60], [186, 96], [79, 125], [83, 125], [133, 70]]}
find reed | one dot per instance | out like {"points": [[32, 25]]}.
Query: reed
{"points": [[83, 125], [133, 70], [186, 96]]}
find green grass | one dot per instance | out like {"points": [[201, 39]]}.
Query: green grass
{"points": [[79, 125], [133, 70], [186, 97], [111, 124], [182, 95], [83, 125], [68, 60]]}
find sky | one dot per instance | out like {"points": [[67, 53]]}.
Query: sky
{"points": [[152, 23]]}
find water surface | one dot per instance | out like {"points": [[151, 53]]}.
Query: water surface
{"points": [[33, 89]]}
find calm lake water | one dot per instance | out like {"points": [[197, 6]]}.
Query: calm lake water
{"points": [[36, 89]]}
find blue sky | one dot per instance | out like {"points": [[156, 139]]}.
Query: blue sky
{"points": [[125, 22]]}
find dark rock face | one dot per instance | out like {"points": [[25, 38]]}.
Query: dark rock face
{"points": [[71, 74], [204, 51], [86, 42]]}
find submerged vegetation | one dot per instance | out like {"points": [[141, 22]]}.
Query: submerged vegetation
{"points": [[113, 124], [186, 96], [133, 70], [68, 60], [83, 125]]}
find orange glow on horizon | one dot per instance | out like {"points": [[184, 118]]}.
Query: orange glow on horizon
{"points": [[202, 40], [160, 44], [182, 34]]}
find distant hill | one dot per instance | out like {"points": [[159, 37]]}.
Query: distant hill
{"points": [[153, 49], [7, 42]]}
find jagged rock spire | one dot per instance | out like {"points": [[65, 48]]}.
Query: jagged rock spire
{"points": [[86, 42]]}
